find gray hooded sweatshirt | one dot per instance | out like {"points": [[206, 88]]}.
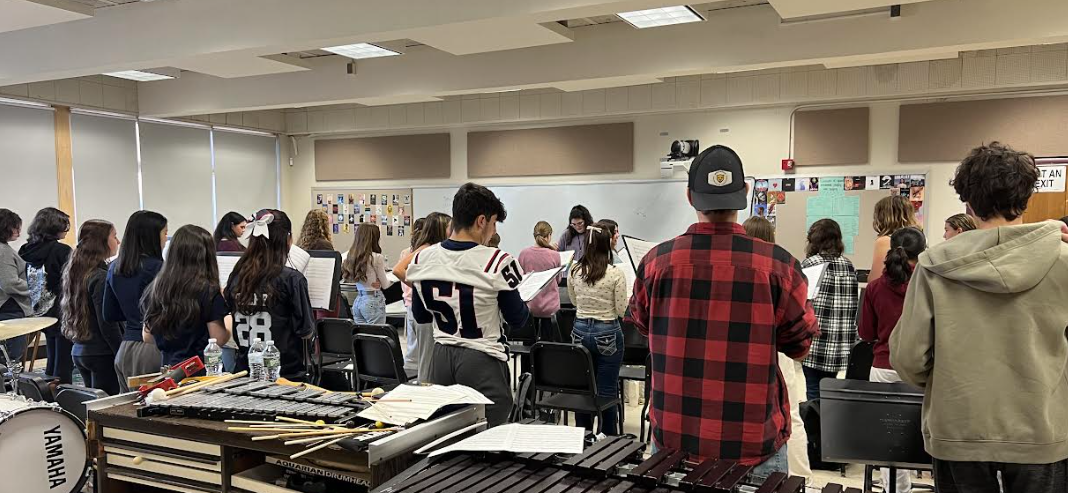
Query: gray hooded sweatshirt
{"points": [[983, 332]]}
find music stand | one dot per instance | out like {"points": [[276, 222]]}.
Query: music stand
{"points": [[875, 424]]}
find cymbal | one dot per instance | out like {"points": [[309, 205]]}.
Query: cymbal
{"points": [[23, 326]]}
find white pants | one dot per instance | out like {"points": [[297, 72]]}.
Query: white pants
{"points": [[904, 478], [797, 447]]}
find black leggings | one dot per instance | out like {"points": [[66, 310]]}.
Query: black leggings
{"points": [[60, 364], [98, 372]]}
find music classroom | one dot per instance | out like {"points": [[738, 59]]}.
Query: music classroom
{"points": [[737, 246]]}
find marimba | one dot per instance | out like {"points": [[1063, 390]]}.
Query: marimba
{"points": [[612, 465], [254, 400]]}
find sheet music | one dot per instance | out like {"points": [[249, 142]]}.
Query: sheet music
{"points": [[298, 259], [630, 271], [416, 402], [518, 438], [814, 274], [534, 283], [396, 308], [226, 266], [638, 249], [566, 257], [393, 279], [320, 274]]}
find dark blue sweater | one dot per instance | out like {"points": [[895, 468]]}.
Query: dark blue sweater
{"points": [[122, 296]]}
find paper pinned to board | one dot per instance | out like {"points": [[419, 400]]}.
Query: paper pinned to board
{"points": [[814, 275], [411, 403], [534, 283], [519, 438]]}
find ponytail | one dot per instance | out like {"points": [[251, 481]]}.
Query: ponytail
{"points": [[906, 245]]}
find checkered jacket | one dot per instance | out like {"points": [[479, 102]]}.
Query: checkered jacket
{"points": [[717, 307], [836, 308]]}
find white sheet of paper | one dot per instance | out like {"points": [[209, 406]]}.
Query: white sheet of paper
{"points": [[396, 308], [518, 438], [226, 266], [630, 271], [814, 274], [416, 402], [392, 278], [320, 274], [533, 283], [298, 259], [566, 257], [638, 249]]}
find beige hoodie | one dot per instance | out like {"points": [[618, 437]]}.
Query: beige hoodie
{"points": [[983, 331]]}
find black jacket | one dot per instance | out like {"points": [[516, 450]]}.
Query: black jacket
{"points": [[53, 256]]}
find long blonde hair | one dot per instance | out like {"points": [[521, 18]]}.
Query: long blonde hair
{"points": [[316, 227], [893, 213], [543, 234], [354, 269]]}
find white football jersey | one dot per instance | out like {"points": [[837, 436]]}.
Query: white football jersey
{"points": [[460, 289]]}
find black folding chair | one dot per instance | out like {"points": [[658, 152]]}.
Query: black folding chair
{"points": [[875, 424], [520, 339], [334, 357], [566, 371], [635, 353], [377, 360], [565, 318], [861, 357]]}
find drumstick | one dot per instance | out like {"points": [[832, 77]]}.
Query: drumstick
{"points": [[317, 447], [301, 421], [334, 431], [277, 430], [199, 385], [307, 440]]}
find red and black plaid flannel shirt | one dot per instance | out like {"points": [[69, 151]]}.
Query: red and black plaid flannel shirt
{"points": [[717, 306]]}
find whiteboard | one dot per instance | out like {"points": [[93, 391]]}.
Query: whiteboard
{"points": [[655, 210]]}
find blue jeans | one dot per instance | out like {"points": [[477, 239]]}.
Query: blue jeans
{"points": [[369, 307], [604, 340], [776, 463], [812, 380], [229, 357]]}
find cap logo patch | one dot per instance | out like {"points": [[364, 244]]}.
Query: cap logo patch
{"points": [[720, 178]]}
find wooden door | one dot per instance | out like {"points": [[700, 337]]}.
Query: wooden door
{"points": [[1043, 206]]}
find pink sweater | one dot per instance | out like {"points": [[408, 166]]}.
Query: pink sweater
{"points": [[537, 259]]}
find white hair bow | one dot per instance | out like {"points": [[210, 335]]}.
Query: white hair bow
{"points": [[593, 228], [259, 227]]}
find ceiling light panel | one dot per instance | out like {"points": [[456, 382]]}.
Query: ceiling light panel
{"points": [[665, 16], [138, 75], [361, 50]]}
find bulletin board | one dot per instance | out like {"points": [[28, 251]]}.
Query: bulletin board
{"points": [[794, 203], [389, 209]]}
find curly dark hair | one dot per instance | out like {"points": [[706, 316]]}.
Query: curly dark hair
{"points": [[48, 224], [9, 222], [996, 180], [825, 238]]}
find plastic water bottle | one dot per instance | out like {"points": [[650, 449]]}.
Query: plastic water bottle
{"points": [[255, 360], [213, 358], [272, 363]]}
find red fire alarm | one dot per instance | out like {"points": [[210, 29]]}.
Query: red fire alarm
{"points": [[788, 165]]}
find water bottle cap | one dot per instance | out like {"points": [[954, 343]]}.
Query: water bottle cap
{"points": [[212, 341], [270, 341]]}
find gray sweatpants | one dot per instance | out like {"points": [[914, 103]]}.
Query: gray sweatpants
{"points": [[478, 370], [136, 358], [424, 334]]}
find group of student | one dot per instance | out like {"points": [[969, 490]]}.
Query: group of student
{"points": [[976, 321], [140, 312]]}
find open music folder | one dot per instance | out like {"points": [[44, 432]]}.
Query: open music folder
{"points": [[323, 273], [533, 283]]}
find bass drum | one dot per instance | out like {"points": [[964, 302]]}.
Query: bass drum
{"points": [[42, 448]]}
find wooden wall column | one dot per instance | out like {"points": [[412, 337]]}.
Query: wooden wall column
{"points": [[65, 167]]}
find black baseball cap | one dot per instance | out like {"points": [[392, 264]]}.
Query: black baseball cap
{"points": [[717, 182]]}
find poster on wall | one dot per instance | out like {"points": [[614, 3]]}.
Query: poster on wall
{"points": [[1050, 179]]}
